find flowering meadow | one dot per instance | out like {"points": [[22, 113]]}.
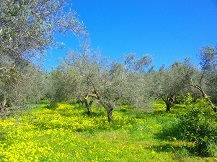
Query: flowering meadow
{"points": [[66, 133]]}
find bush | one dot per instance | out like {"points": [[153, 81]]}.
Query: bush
{"points": [[199, 125]]}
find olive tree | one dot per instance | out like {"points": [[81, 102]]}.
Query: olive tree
{"points": [[168, 83], [28, 27], [204, 80]]}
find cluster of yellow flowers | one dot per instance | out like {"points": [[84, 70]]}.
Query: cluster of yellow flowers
{"points": [[67, 133], [54, 134]]}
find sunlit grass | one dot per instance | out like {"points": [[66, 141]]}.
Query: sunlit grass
{"points": [[66, 133]]}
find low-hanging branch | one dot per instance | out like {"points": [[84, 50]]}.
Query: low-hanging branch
{"points": [[205, 96]]}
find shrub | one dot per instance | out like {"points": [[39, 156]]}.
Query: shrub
{"points": [[199, 125]]}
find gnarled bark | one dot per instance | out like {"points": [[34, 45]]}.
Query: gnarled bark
{"points": [[88, 104], [109, 109], [170, 102]]}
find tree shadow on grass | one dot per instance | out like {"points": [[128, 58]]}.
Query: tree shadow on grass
{"points": [[179, 153], [51, 106], [171, 132], [163, 148], [3, 135]]}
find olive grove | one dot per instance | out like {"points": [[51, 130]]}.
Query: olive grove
{"points": [[28, 29], [90, 78]]}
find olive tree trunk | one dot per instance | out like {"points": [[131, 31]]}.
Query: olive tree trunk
{"points": [[109, 108], [170, 102], [88, 106]]}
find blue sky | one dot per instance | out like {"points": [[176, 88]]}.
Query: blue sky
{"points": [[167, 30]]}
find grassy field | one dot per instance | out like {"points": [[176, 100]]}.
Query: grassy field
{"points": [[66, 133]]}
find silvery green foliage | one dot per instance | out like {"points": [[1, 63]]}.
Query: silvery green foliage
{"points": [[208, 76], [109, 83], [27, 29], [28, 86], [211, 86], [204, 81], [207, 58], [26, 26], [169, 83], [114, 81]]}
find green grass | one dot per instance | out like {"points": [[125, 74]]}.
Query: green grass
{"points": [[66, 133]]}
